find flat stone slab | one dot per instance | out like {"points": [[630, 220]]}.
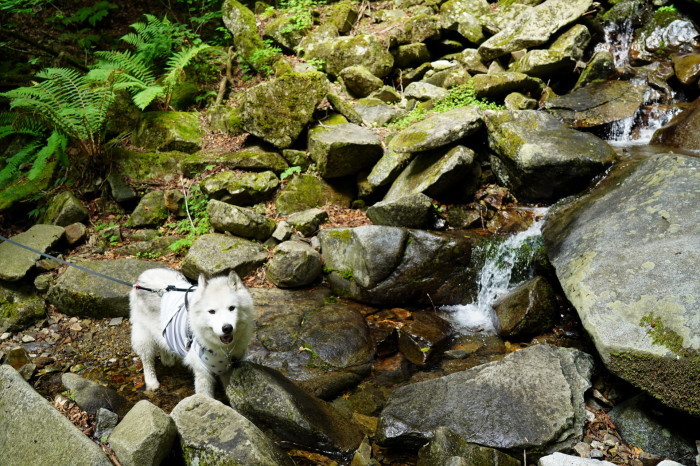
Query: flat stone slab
{"points": [[15, 261]]}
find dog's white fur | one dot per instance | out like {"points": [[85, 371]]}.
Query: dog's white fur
{"points": [[215, 303]]}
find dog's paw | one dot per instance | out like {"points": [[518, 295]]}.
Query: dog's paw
{"points": [[152, 387]]}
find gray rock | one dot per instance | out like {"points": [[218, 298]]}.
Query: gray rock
{"points": [[304, 192], [105, 422], [91, 396], [526, 310], [600, 67], [75, 233], [682, 131], [217, 254], [561, 56], [463, 16], [497, 85], [169, 131], [538, 158], [285, 31], [518, 101], [283, 231], [271, 400], [212, 432], [19, 307], [243, 26], [344, 108], [531, 399], [144, 166], [374, 112], [598, 103], [254, 158], [560, 459], [240, 188], [362, 49], [341, 150], [418, 28], [294, 264], [152, 248], [664, 34], [239, 221], [389, 167], [34, 432], [79, 293], [337, 346], [437, 130], [534, 27], [16, 261], [643, 425], [144, 437], [64, 209], [360, 81], [410, 55], [150, 211], [630, 276], [277, 110], [307, 222], [411, 211], [446, 445], [119, 189], [420, 338], [471, 61], [436, 172], [423, 91], [396, 267], [344, 15]]}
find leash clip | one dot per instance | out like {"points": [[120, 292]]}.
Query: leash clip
{"points": [[161, 292]]}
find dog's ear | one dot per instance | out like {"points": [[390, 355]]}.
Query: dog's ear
{"points": [[202, 281], [235, 281]]}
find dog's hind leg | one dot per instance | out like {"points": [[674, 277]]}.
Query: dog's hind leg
{"points": [[146, 349], [168, 358]]}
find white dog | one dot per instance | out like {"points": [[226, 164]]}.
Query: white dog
{"points": [[208, 325]]}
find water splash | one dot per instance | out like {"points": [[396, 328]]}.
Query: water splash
{"points": [[617, 39], [506, 261]]}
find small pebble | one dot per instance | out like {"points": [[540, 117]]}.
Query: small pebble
{"points": [[28, 339], [597, 445], [5, 336], [611, 440], [596, 454], [116, 321]]}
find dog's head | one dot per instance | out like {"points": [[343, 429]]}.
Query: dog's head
{"points": [[219, 306]]}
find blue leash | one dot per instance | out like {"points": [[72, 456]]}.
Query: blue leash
{"points": [[92, 272]]}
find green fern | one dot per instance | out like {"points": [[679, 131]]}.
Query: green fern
{"points": [[156, 38]]}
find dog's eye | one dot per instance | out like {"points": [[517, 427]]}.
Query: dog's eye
{"points": [[212, 311], [232, 308]]}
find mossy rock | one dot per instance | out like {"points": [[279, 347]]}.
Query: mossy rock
{"points": [[305, 192], [65, 208], [145, 166], [23, 189], [167, 131], [362, 49], [19, 307], [243, 26], [218, 254], [240, 188], [150, 211]]}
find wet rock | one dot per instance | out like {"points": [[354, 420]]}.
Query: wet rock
{"points": [[150, 211], [19, 307], [667, 32], [322, 343], [598, 103], [600, 67], [16, 261], [446, 445], [307, 222], [538, 158], [345, 149], [411, 211], [496, 86], [305, 192], [434, 173], [423, 336], [637, 306], [360, 81], [278, 110], [217, 254], [169, 131], [527, 310], [687, 67], [33, 432], [144, 437], [91, 396], [561, 56], [558, 459], [240, 188], [532, 398], [239, 221], [656, 431], [242, 23], [19, 359], [64, 209], [682, 131], [275, 403], [213, 432], [362, 49], [534, 27], [294, 264], [437, 130], [391, 266]]}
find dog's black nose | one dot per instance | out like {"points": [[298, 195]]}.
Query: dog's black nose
{"points": [[228, 328]]}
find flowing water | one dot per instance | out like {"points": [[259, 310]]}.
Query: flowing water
{"points": [[507, 264]]}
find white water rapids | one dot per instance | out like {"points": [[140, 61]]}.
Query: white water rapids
{"points": [[495, 279]]}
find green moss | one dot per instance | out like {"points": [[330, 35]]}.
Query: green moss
{"points": [[344, 235], [661, 335]]}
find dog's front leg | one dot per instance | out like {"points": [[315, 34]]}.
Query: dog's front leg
{"points": [[204, 382]]}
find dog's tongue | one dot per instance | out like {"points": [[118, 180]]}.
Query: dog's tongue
{"points": [[226, 339]]}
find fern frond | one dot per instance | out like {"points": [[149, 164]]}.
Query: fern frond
{"points": [[12, 123], [178, 62], [132, 66], [11, 170], [55, 144], [144, 98]]}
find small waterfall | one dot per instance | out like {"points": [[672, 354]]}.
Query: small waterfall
{"points": [[505, 262], [617, 38]]}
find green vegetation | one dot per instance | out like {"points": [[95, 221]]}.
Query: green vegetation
{"points": [[262, 59], [289, 172], [661, 335], [459, 96], [668, 9], [196, 223], [302, 14]]}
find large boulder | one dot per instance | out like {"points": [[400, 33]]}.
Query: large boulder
{"points": [[397, 267], [625, 256], [534, 27], [19, 307], [16, 261], [278, 110], [217, 254], [65, 208], [305, 192], [213, 433], [254, 158], [530, 400], [336, 346], [169, 131], [538, 158], [240, 188], [274, 402], [294, 264], [144, 437], [410, 211], [598, 103], [34, 432], [561, 57], [80, 293], [145, 166], [239, 221], [345, 149], [243, 26], [362, 49], [683, 131]]}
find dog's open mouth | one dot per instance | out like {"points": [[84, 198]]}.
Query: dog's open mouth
{"points": [[226, 339]]}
